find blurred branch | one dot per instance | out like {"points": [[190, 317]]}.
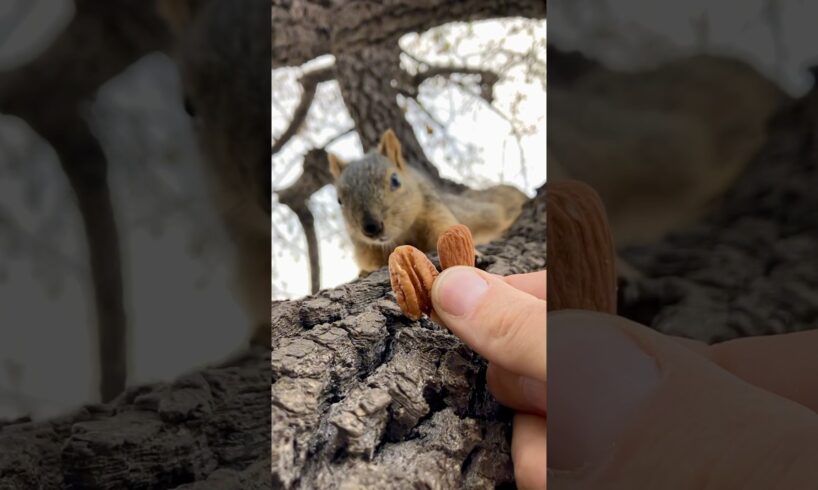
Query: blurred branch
{"points": [[426, 71], [131, 29], [338, 136], [309, 83], [487, 78]]}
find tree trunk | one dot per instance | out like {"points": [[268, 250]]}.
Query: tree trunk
{"points": [[367, 79]]}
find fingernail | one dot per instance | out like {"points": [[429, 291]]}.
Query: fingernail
{"points": [[534, 391], [598, 379], [458, 290]]}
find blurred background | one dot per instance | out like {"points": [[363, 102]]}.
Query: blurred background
{"points": [[180, 305], [627, 34]]}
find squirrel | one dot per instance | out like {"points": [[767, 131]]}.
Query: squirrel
{"points": [[660, 145], [224, 86], [387, 203]]}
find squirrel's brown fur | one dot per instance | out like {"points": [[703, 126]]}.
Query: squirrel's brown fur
{"points": [[387, 203], [659, 145], [225, 75]]}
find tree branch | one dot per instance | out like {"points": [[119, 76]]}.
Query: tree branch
{"points": [[487, 78], [309, 83], [305, 29], [314, 176]]}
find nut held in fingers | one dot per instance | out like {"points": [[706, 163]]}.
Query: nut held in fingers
{"points": [[456, 247], [581, 270], [412, 274]]}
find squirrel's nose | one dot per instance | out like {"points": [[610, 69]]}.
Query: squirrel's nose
{"points": [[372, 227]]}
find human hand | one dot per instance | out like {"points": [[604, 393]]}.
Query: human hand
{"points": [[504, 320], [633, 408]]}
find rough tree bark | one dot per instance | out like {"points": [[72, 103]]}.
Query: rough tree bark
{"points": [[207, 430], [353, 376], [305, 29], [366, 398], [82, 63]]}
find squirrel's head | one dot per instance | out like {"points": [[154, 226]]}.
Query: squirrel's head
{"points": [[225, 77], [378, 194]]}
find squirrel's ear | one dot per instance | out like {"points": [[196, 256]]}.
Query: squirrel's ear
{"points": [[336, 165], [178, 14], [390, 148]]}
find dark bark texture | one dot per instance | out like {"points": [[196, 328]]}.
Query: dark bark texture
{"points": [[750, 267], [207, 430], [305, 29]]}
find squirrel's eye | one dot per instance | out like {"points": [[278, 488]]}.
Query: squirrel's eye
{"points": [[394, 181], [191, 111]]}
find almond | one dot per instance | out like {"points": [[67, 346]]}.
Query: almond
{"points": [[412, 274], [456, 247], [581, 267]]}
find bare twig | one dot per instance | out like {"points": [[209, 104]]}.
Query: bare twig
{"points": [[315, 176], [487, 77], [426, 71], [309, 83]]}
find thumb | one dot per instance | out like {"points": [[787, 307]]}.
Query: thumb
{"points": [[629, 407], [501, 323]]}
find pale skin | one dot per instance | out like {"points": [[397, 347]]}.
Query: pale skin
{"points": [[754, 401]]}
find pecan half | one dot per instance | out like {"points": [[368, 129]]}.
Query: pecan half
{"points": [[412, 274]]}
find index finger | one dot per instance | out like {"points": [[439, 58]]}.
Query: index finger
{"points": [[533, 283]]}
